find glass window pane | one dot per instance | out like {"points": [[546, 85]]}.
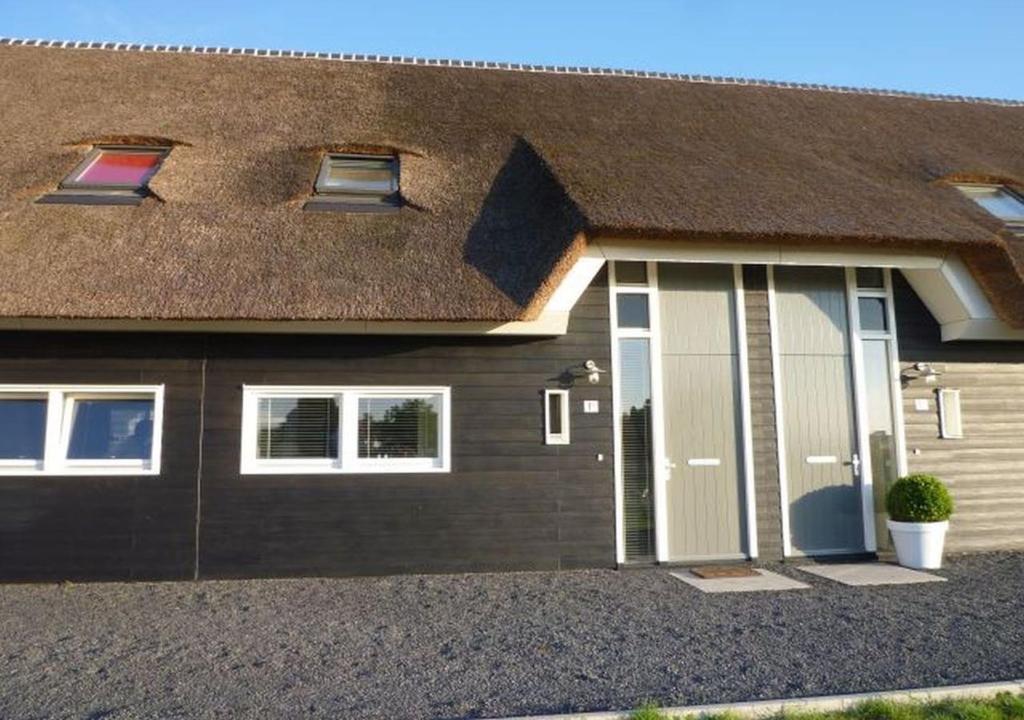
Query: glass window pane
{"points": [[872, 314], [554, 414], [360, 175], [871, 278], [633, 310], [22, 428], [631, 273], [295, 427], [111, 429], [119, 168], [399, 427], [881, 434], [997, 200], [637, 448]]}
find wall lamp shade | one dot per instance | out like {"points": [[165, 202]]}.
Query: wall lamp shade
{"points": [[921, 371], [590, 371]]}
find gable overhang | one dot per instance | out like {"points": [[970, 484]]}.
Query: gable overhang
{"points": [[940, 279]]}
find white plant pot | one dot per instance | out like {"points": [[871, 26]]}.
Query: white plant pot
{"points": [[919, 545]]}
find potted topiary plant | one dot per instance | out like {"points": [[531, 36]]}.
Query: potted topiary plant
{"points": [[919, 507]]}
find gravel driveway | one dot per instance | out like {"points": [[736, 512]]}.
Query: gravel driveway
{"points": [[460, 646]]}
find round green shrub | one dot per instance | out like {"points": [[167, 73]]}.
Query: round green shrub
{"points": [[918, 498]]}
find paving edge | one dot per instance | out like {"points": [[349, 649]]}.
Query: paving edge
{"points": [[762, 708]]}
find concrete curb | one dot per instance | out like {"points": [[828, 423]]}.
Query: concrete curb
{"points": [[762, 708]]}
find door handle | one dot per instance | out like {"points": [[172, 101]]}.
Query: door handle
{"points": [[855, 462]]}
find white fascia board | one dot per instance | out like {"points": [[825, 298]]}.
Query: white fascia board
{"points": [[733, 253], [549, 323], [957, 302], [575, 283]]}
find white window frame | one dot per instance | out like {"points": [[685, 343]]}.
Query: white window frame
{"points": [[559, 438], [60, 401], [348, 461]]}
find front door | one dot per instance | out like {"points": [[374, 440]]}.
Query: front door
{"points": [[822, 467], [704, 496]]}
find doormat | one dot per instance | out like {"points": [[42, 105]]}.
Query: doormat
{"points": [[710, 572]]}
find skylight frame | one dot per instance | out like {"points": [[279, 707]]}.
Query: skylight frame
{"points": [[354, 200], [1013, 223], [73, 191]]}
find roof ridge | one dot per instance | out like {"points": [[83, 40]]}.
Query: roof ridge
{"points": [[507, 66]]}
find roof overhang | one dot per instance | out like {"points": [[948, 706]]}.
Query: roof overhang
{"points": [[941, 280], [548, 323]]}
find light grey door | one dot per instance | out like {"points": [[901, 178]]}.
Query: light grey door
{"points": [[825, 510], [700, 378]]}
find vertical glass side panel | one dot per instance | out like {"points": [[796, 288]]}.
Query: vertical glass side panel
{"points": [[637, 448], [881, 433]]}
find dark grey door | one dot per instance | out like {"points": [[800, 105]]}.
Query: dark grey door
{"points": [[825, 507]]}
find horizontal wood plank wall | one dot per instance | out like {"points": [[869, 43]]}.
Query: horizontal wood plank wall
{"points": [[762, 405], [106, 528], [510, 502], [985, 470]]}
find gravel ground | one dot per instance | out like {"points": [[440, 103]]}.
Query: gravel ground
{"points": [[460, 646]]}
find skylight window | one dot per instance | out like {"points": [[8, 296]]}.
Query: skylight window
{"points": [[357, 183], [999, 200], [110, 176]]}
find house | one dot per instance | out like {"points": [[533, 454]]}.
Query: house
{"points": [[284, 314]]}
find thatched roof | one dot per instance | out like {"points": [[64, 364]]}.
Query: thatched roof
{"points": [[504, 173]]}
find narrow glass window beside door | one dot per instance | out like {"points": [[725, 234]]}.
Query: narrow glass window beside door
{"points": [[633, 310], [637, 448], [345, 429], [877, 338], [80, 430]]}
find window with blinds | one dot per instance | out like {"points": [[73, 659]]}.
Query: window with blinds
{"points": [[398, 427], [637, 448], [345, 429], [296, 427]]}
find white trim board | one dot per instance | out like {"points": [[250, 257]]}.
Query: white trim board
{"points": [[549, 323], [767, 708], [746, 418], [958, 303]]}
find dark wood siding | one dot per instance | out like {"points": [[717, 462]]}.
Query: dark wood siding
{"points": [[762, 404], [985, 470], [510, 502], [106, 528]]}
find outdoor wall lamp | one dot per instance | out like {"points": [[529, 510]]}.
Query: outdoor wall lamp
{"points": [[923, 371], [589, 370]]}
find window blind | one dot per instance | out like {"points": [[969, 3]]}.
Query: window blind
{"points": [[297, 428], [399, 427], [637, 463]]}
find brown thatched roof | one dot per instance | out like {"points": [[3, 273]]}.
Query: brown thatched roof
{"points": [[504, 173]]}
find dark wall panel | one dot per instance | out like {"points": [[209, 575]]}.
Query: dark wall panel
{"points": [[510, 502], [106, 528]]}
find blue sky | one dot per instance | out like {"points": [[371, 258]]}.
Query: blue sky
{"points": [[964, 46]]}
